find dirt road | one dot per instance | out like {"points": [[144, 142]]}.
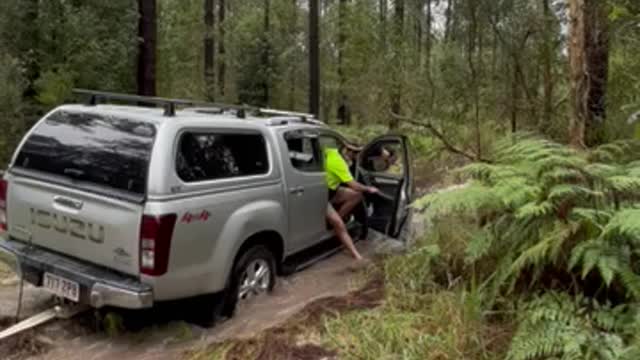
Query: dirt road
{"points": [[164, 336]]}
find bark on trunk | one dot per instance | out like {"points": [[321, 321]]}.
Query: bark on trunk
{"points": [[209, 49], [396, 86], [222, 65], [314, 58], [589, 57], [147, 32], [547, 58], [343, 111]]}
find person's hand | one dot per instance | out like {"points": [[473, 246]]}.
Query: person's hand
{"points": [[373, 190]]}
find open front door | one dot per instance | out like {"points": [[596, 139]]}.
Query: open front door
{"points": [[386, 164]]}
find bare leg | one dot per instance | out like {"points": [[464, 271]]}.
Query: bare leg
{"points": [[341, 232], [346, 200]]}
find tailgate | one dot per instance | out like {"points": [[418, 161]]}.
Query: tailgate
{"points": [[80, 224]]}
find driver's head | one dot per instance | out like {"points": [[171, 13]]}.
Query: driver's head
{"points": [[382, 158], [349, 152]]}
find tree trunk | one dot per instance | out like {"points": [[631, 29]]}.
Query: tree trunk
{"points": [[597, 42], [294, 30], [472, 55], [429, 43], [448, 20], [222, 64], [147, 32], [28, 41], [383, 23], [344, 111], [589, 57], [547, 58], [266, 54], [397, 64], [209, 49], [314, 58]]}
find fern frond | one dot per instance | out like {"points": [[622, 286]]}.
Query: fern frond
{"points": [[625, 225], [470, 200], [535, 210], [574, 193], [545, 251]]}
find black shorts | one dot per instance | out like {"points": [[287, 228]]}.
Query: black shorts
{"points": [[332, 193]]}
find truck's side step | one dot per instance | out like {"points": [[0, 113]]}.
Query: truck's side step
{"points": [[314, 254]]}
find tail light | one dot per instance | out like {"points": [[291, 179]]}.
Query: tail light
{"points": [[155, 243], [4, 186]]}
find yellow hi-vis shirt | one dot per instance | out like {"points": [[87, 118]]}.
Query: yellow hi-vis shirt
{"points": [[336, 168]]}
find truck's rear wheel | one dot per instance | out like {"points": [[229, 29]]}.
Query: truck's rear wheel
{"points": [[254, 275]]}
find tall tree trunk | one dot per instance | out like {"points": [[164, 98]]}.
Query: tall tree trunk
{"points": [[515, 99], [383, 5], [147, 32], [344, 111], [397, 64], [314, 58], [472, 56], [547, 59], [294, 30], [222, 62], [429, 40], [266, 54], [448, 20], [209, 49], [589, 57], [29, 40], [597, 33]]}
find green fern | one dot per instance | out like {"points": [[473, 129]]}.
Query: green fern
{"points": [[550, 207], [556, 326]]}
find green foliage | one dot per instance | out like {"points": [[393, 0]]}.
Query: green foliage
{"points": [[54, 87], [419, 319], [557, 326], [540, 204], [11, 106]]}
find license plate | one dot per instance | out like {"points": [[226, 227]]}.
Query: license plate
{"points": [[62, 287]]}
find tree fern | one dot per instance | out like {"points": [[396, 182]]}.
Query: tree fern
{"points": [[549, 206], [558, 326]]}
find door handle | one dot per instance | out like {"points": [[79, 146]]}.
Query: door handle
{"points": [[299, 190]]}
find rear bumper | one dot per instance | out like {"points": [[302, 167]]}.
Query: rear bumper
{"points": [[99, 286]]}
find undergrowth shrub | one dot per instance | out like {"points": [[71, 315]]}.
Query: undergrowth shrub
{"points": [[548, 220], [419, 319]]}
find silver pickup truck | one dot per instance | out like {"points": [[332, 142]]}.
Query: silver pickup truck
{"points": [[126, 206]]}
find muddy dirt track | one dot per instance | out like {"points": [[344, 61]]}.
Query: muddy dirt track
{"points": [[162, 333]]}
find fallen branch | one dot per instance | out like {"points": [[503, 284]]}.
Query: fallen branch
{"points": [[440, 136]]}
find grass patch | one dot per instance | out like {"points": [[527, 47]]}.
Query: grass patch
{"points": [[401, 313]]}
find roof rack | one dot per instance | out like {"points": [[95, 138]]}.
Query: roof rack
{"points": [[170, 105]]}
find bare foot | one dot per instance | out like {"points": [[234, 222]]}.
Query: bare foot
{"points": [[359, 264]]}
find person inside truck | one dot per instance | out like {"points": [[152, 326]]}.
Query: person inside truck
{"points": [[344, 193]]}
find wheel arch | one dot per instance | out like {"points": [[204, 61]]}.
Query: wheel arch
{"points": [[270, 239]]}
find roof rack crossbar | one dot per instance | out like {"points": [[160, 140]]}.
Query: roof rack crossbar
{"points": [[170, 105]]}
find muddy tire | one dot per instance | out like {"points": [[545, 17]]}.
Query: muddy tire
{"points": [[253, 275]]}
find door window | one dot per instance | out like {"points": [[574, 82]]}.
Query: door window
{"points": [[211, 156], [304, 151], [384, 158]]}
